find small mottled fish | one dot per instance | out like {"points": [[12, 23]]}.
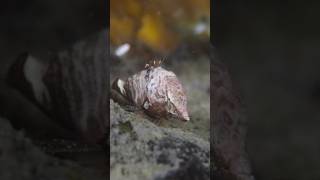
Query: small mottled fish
{"points": [[155, 90]]}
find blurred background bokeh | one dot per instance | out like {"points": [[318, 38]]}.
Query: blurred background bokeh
{"points": [[43, 26], [159, 26], [272, 51]]}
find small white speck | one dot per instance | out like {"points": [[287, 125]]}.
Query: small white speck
{"points": [[34, 70], [146, 105], [120, 84], [200, 28], [122, 50]]}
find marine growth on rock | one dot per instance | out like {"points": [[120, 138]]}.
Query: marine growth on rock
{"points": [[155, 90]]}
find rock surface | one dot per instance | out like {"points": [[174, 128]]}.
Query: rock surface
{"points": [[141, 150], [20, 159]]}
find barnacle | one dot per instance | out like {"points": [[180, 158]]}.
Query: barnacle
{"points": [[155, 90]]}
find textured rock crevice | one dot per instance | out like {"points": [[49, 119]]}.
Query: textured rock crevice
{"points": [[140, 149], [21, 159]]}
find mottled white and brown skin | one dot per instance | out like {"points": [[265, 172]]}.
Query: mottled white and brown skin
{"points": [[156, 90], [228, 127]]}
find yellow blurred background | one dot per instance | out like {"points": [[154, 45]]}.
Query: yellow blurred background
{"points": [[160, 25]]}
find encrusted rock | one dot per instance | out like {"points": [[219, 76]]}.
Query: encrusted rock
{"points": [[140, 150], [20, 159]]}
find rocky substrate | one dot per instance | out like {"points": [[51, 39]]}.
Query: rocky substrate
{"points": [[140, 149], [21, 159]]}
